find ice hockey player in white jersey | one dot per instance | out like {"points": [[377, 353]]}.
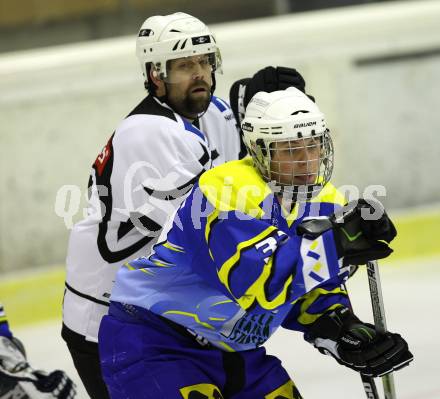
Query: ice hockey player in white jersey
{"points": [[19, 380], [149, 163]]}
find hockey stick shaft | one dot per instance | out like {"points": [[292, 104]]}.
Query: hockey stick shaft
{"points": [[379, 320], [369, 387]]}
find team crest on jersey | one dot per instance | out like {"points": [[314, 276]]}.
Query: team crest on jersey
{"points": [[201, 391]]}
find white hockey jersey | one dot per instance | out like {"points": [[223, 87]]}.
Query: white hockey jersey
{"points": [[137, 182]]}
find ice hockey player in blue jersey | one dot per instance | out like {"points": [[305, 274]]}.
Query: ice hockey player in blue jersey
{"points": [[259, 243]]}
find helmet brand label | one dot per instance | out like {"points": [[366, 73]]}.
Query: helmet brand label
{"points": [[259, 102], [298, 125], [201, 40], [247, 126]]}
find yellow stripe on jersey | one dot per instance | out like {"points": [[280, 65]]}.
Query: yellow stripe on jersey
{"points": [[293, 215], [129, 267], [213, 216], [222, 302], [225, 269], [209, 220], [173, 247], [235, 186], [308, 299], [162, 263], [256, 291], [193, 315], [146, 271], [2, 319], [226, 346]]}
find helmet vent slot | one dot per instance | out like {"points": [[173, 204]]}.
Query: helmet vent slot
{"points": [[176, 45], [301, 111]]}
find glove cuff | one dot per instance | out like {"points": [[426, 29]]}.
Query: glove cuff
{"points": [[332, 324], [314, 227]]}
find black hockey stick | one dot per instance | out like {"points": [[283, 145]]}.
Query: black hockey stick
{"points": [[381, 326], [369, 387]]}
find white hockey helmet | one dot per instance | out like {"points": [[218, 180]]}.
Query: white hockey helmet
{"points": [[289, 117], [166, 37]]}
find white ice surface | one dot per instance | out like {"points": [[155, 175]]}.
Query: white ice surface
{"points": [[412, 302]]}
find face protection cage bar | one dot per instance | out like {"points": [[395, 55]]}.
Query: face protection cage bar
{"points": [[261, 152]]}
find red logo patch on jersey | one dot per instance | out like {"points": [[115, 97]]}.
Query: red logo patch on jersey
{"points": [[103, 157]]}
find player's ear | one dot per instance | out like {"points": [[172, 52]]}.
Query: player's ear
{"points": [[156, 84], [154, 76]]}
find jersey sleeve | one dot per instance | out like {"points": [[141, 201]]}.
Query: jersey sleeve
{"points": [[235, 139], [329, 294], [259, 265], [307, 309], [4, 326], [231, 142], [156, 167]]}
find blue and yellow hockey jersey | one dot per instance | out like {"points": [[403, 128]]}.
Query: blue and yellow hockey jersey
{"points": [[232, 268]]}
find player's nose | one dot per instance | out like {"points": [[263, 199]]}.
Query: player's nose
{"points": [[197, 72]]}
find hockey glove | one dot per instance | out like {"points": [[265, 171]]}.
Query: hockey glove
{"points": [[360, 229], [19, 380], [358, 345], [268, 79]]}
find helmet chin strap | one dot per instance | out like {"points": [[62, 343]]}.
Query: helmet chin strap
{"points": [[164, 98], [214, 83]]}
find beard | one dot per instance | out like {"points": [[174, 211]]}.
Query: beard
{"points": [[190, 105]]}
